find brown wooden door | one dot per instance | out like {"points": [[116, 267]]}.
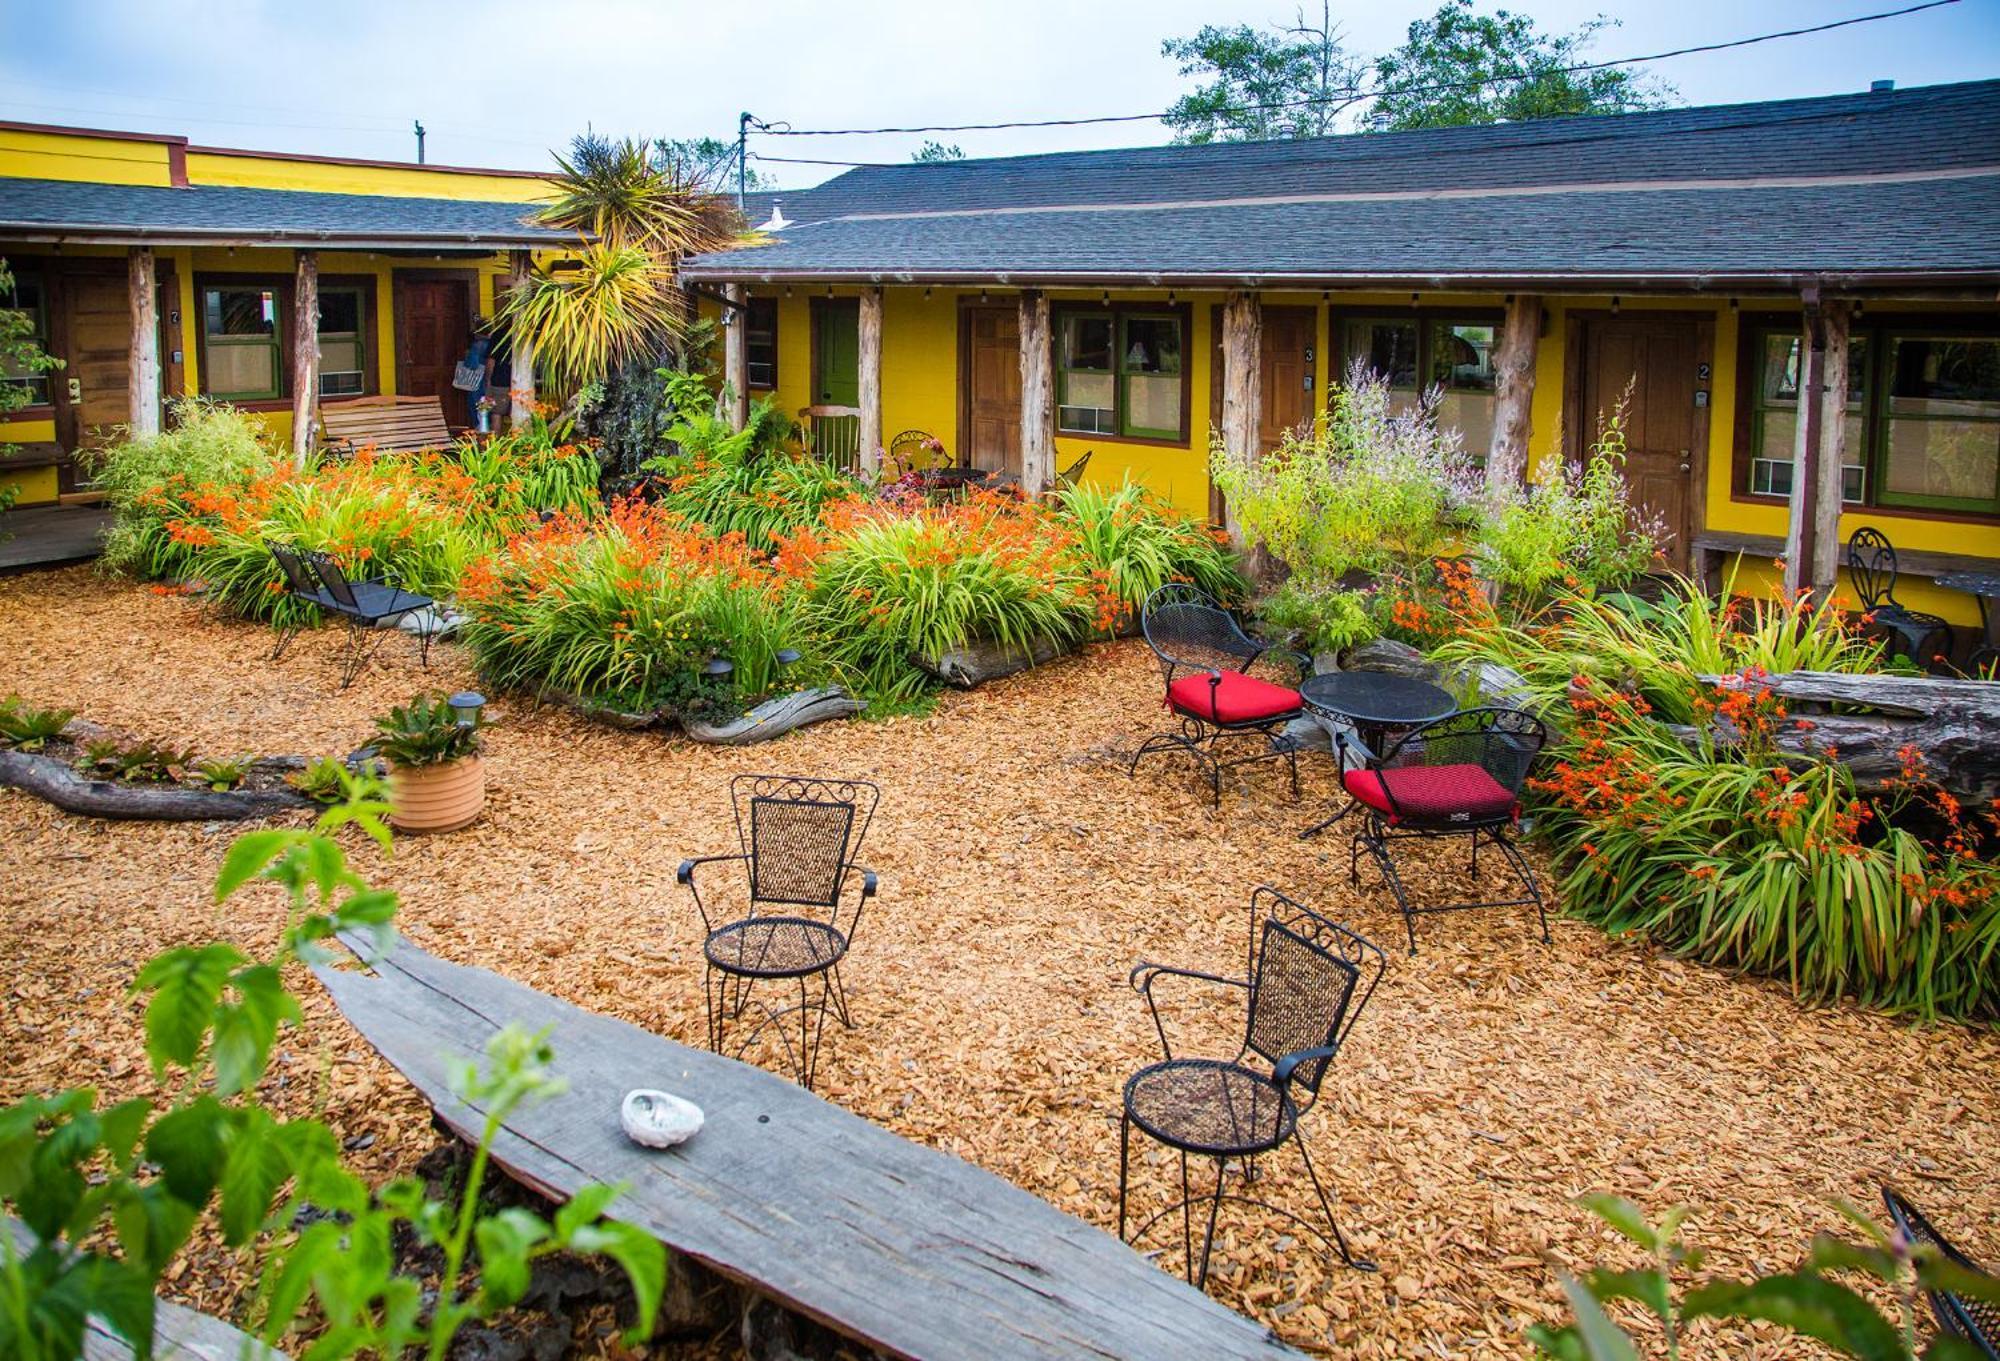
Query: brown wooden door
{"points": [[95, 384], [990, 374], [1649, 365], [1284, 361], [433, 329]]}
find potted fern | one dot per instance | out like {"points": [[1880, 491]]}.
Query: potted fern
{"points": [[437, 782]]}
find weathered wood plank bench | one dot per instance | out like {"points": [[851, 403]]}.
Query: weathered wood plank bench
{"points": [[909, 1250], [390, 424]]}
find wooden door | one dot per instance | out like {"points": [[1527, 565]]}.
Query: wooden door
{"points": [[1285, 373], [990, 382], [433, 331], [94, 386], [836, 337], [1649, 364]]}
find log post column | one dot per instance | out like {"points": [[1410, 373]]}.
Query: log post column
{"points": [[869, 372], [1038, 394], [1835, 321], [1242, 387], [521, 365], [1514, 401], [305, 354], [736, 354], [143, 377], [1801, 537]]}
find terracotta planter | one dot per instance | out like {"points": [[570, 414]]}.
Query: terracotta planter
{"points": [[441, 798]]}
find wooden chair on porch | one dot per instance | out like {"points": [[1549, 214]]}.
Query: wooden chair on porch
{"points": [[390, 424], [833, 435]]}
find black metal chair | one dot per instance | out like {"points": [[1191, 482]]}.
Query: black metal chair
{"points": [[799, 835], [917, 451], [1073, 474], [300, 583], [1205, 658], [319, 580], [1976, 1321], [1306, 983], [1460, 775], [1871, 565]]}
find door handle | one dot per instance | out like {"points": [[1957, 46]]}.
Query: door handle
{"points": [[76, 389], [1686, 465]]}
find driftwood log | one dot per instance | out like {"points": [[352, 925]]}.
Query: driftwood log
{"points": [[982, 661], [776, 717], [48, 778], [1955, 724]]}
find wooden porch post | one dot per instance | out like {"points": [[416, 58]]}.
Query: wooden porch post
{"points": [[1514, 402], [1038, 393], [736, 355], [521, 385], [1242, 394], [305, 355], [1835, 319], [869, 370], [143, 379], [1801, 546]]}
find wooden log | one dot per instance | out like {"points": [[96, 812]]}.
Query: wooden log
{"points": [[983, 660], [1803, 508], [143, 372], [870, 372], [1514, 399], [521, 385], [1038, 394], [305, 355], [47, 778], [1242, 380], [906, 1249], [776, 717], [736, 355]]}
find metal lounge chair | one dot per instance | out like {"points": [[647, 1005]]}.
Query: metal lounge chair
{"points": [[1871, 565], [319, 579], [1977, 1321]]}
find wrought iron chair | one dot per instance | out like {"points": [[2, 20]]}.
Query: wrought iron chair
{"points": [[799, 836], [917, 451], [1460, 775], [319, 579], [1871, 565], [1306, 984], [1977, 1321], [299, 581], [1205, 658], [1073, 474]]}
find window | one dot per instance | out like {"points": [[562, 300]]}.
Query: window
{"points": [[343, 348], [1455, 357], [29, 301], [1775, 416], [240, 335], [761, 339], [1121, 372], [1940, 445]]}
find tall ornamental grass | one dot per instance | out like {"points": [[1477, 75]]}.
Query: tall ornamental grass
{"points": [[1135, 543]]}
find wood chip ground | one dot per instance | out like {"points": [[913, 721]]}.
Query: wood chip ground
{"points": [[1493, 1079]]}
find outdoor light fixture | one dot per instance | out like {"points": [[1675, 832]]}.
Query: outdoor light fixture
{"points": [[465, 706], [1614, 304], [718, 667], [785, 656]]}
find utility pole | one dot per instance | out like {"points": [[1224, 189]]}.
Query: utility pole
{"points": [[743, 122], [420, 140]]}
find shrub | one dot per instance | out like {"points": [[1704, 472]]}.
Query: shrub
{"points": [[1572, 529], [1327, 620], [1136, 543], [207, 447], [29, 728], [762, 499]]}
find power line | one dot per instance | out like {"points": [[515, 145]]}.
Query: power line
{"points": [[1356, 96]]}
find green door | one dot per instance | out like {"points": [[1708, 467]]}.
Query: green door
{"points": [[836, 352]]}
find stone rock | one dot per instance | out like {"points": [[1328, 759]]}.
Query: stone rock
{"points": [[776, 717], [439, 621], [658, 1119], [1495, 684], [983, 660]]}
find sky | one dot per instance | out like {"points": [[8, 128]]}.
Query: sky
{"points": [[500, 82]]}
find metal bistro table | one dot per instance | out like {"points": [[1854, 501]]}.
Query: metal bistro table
{"points": [[1375, 703], [1986, 587]]}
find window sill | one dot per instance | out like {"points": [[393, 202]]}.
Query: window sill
{"points": [[1969, 517], [1148, 440]]}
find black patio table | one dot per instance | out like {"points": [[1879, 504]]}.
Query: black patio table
{"points": [[1986, 587], [1376, 703]]}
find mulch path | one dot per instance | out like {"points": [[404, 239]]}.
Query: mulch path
{"points": [[1492, 1080]]}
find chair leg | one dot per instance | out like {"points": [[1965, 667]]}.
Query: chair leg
{"points": [[1527, 873], [1208, 1237], [1124, 1167], [286, 634], [1326, 1206]]}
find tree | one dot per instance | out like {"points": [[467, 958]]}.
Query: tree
{"points": [[706, 158], [934, 153], [1291, 80], [1459, 68]]}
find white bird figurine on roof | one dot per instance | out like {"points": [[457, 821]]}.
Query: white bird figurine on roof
{"points": [[777, 221]]}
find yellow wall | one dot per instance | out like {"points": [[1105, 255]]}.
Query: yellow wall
{"points": [[104, 159], [349, 177]]}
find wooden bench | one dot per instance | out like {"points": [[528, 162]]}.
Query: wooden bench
{"points": [[391, 424], [906, 1249], [1711, 547]]}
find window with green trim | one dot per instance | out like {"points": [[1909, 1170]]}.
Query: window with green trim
{"points": [[1939, 442], [343, 343], [240, 343], [1774, 416], [1453, 355], [761, 342], [1121, 372], [29, 301]]}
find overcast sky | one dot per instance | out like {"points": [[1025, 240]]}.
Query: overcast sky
{"points": [[500, 82]]}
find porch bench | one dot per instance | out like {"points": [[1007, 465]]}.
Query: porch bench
{"points": [[391, 424], [1711, 547]]}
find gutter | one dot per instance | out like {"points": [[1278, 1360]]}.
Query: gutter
{"points": [[94, 234]]}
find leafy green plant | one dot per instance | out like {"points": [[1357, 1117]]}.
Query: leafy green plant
{"points": [[428, 732], [30, 729], [1808, 1301], [1326, 620], [324, 780], [1135, 543], [1572, 529], [20, 354], [145, 1177], [140, 762], [224, 773]]}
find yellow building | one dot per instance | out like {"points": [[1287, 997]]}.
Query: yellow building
{"points": [[153, 268], [1028, 311]]}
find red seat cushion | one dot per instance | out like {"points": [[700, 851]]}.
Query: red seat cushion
{"points": [[1433, 794], [1236, 698]]}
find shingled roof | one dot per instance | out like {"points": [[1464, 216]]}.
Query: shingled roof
{"points": [[1903, 184], [62, 210]]}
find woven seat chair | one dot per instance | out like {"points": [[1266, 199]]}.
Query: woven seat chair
{"points": [[1976, 1321], [1871, 566], [799, 836], [320, 580], [1460, 775], [1205, 659], [1306, 982]]}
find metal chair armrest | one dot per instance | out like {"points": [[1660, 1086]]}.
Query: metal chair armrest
{"points": [[1351, 740], [685, 877], [1145, 973], [1282, 1070], [869, 883]]}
